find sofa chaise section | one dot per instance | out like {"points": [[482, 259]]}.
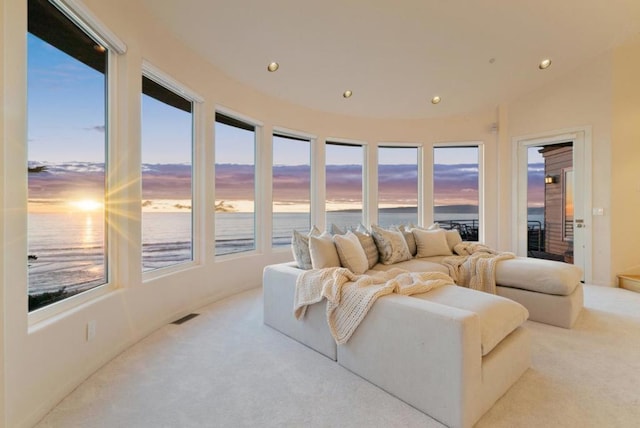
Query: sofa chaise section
{"points": [[429, 355]]}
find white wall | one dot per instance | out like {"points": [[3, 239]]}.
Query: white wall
{"points": [[582, 98], [46, 360], [625, 155]]}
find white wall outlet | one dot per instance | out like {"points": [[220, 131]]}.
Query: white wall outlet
{"points": [[91, 330], [598, 211]]}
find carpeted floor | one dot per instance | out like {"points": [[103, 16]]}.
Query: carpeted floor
{"points": [[225, 368]]}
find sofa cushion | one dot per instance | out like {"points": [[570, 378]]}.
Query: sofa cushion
{"points": [[323, 252], [391, 245], [543, 276], [414, 265], [431, 243], [498, 316], [351, 253]]}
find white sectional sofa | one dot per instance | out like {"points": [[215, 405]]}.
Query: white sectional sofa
{"points": [[451, 352]]}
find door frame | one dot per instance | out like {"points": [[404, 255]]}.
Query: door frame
{"points": [[582, 164]]}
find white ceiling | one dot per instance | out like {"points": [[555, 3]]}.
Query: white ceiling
{"points": [[396, 55]]}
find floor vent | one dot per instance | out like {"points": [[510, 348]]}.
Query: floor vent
{"points": [[185, 319]]}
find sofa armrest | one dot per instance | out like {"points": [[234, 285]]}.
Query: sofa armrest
{"points": [[279, 285], [425, 353]]}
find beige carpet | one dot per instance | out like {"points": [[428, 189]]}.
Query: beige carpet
{"points": [[226, 369]]}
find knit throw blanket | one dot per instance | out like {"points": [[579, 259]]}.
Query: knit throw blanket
{"points": [[475, 266], [350, 296]]}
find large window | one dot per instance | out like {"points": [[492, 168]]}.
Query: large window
{"points": [[235, 143], [344, 184], [67, 80], [167, 148], [397, 185], [456, 189], [291, 187]]}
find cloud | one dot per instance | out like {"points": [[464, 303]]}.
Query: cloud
{"points": [[398, 183], [166, 181], [234, 181], [344, 183], [453, 184], [291, 183], [67, 180], [98, 128], [535, 187]]}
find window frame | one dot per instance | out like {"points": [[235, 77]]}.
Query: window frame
{"points": [[86, 21], [159, 77], [368, 185], [312, 140], [258, 196], [481, 180], [419, 161]]}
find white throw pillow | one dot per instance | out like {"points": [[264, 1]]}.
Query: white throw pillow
{"points": [[323, 252], [431, 243], [351, 253], [391, 245], [453, 238]]}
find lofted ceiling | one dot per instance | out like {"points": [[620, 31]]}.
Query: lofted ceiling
{"points": [[396, 55]]}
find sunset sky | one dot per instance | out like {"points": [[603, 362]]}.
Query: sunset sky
{"points": [[66, 133]]}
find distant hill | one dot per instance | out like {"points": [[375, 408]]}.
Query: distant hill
{"points": [[448, 209], [535, 210], [456, 209], [399, 210]]}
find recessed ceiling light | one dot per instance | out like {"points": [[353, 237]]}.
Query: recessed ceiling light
{"points": [[273, 66], [545, 63], [435, 100], [347, 94]]}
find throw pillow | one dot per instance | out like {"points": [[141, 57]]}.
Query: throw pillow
{"points": [[368, 244], [351, 253], [453, 238], [411, 240], [335, 229], [391, 245], [431, 243], [323, 252], [300, 248]]}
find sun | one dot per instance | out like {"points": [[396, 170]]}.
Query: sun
{"points": [[86, 205]]}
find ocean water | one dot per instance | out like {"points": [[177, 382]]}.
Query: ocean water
{"points": [[69, 250], [70, 247]]}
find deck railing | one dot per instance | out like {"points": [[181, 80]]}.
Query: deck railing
{"points": [[468, 228]]}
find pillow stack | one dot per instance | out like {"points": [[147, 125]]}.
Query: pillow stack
{"points": [[361, 249]]}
